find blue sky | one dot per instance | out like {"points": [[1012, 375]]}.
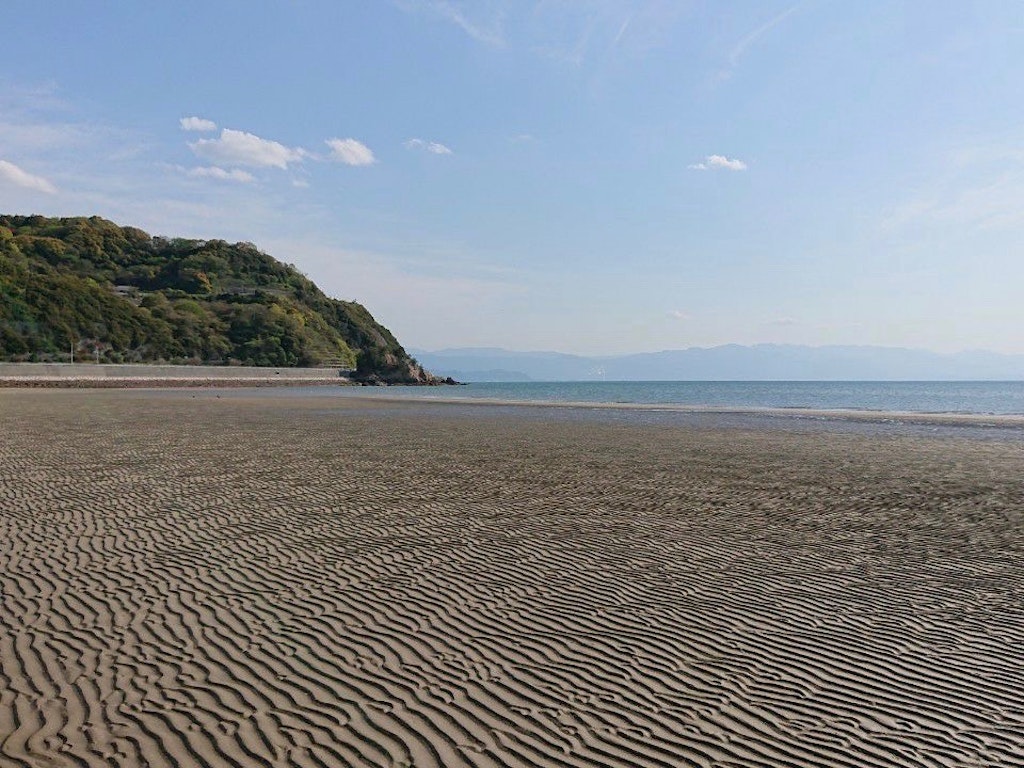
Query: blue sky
{"points": [[590, 176]]}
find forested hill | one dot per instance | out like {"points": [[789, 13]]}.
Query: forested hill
{"points": [[121, 295]]}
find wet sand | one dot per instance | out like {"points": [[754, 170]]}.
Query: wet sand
{"points": [[196, 579]]}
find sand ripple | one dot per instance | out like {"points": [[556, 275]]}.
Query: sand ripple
{"points": [[195, 581]]}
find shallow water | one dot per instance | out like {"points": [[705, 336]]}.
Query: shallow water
{"points": [[946, 397], [566, 402]]}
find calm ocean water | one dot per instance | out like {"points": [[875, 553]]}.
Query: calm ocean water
{"points": [[971, 397]]}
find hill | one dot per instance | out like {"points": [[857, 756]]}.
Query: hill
{"points": [[120, 295]]}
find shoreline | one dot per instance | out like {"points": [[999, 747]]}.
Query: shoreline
{"points": [[850, 414], [348, 389]]}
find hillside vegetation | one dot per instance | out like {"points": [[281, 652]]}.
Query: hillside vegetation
{"points": [[118, 294]]}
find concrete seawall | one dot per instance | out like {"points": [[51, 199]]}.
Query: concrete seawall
{"points": [[80, 371]]}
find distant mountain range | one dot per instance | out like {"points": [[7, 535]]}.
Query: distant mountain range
{"points": [[731, 362]]}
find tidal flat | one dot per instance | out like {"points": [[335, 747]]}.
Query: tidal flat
{"points": [[195, 579]]}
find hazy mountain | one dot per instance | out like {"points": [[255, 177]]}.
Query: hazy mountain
{"points": [[731, 362]]}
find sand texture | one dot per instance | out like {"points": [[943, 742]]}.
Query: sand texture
{"points": [[189, 579]]}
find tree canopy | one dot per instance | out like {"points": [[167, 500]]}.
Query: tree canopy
{"points": [[118, 294]]}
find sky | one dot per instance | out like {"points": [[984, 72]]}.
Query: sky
{"points": [[585, 176]]}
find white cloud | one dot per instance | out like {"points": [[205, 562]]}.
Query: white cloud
{"points": [[430, 146], [350, 152], [678, 314], [11, 173], [215, 172], [714, 162], [241, 148], [197, 124]]}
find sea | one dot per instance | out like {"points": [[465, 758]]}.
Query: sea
{"points": [[981, 398]]}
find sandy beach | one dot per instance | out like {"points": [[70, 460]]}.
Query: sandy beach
{"points": [[196, 578]]}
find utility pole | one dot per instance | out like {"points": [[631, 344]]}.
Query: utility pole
{"points": [[72, 352]]}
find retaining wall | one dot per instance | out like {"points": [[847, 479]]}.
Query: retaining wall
{"points": [[87, 371]]}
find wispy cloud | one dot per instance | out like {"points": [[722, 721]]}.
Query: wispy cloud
{"points": [[970, 188], [597, 31], [241, 148], [35, 121], [197, 124], [430, 146], [482, 20], [751, 38], [567, 31], [622, 30], [422, 302], [719, 162], [678, 314], [12, 174], [487, 31], [350, 152], [560, 33], [221, 174]]}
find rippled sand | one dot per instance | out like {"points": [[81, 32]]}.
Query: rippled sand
{"points": [[196, 580]]}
